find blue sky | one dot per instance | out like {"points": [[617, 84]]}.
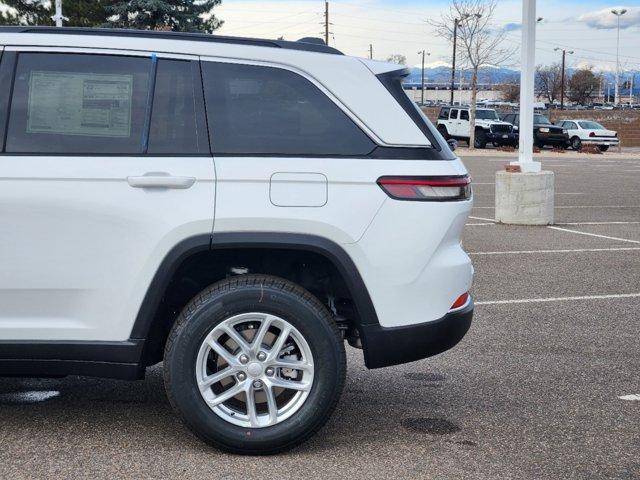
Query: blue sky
{"points": [[400, 27]]}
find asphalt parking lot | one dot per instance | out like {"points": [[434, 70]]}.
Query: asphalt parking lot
{"points": [[533, 391]]}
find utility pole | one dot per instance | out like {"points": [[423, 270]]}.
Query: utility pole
{"points": [[326, 22], [58, 16], [564, 55], [423, 52], [453, 59], [618, 14], [371, 51]]}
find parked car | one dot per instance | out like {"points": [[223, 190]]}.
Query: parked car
{"points": [[453, 122], [587, 132], [232, 207], [544, 132]]}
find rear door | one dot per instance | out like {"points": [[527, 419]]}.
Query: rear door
{"points": [[105, 167]]}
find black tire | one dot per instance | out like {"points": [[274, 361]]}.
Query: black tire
{"points": [[443, 131], [243, 294], [480, 140], [604, 148], [576, 143]]}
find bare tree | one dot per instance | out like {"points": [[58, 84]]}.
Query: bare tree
{"points": [[510, 91], [549, 81], [397, 58], [582, 86], [480, 44]]}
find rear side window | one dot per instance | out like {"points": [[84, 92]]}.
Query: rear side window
{"points": [[264, 110], [75, 103], [6, 75], [464, 114], [177, 119]]}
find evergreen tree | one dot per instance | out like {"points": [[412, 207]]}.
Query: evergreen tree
{"points": [[176, 15], [79, 13]]}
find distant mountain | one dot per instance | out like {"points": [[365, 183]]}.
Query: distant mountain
{"points": [[440, 73]]}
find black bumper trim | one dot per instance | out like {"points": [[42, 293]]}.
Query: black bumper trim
{"points": [[384, 347]]}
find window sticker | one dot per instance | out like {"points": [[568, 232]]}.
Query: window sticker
{"points": [[71, 103]]}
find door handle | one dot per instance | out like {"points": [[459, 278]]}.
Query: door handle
{"points": [[160, 180]]}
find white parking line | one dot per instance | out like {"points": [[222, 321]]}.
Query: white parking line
{"points": [[477, 224], [634, 397], [485, 183], [594, 235], [569, 193], [558, 299], [573, 250], [482, 218], [586, 206], [597, 223]]}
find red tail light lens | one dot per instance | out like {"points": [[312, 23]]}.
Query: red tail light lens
{"points": [[430, 189], [461, 301]]}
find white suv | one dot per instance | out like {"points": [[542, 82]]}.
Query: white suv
{"points": [[454, 122], [235, 208]]}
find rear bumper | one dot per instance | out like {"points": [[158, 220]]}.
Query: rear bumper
{"points": [[502, 138], [553, 138], [601, 141], [384, 347]]}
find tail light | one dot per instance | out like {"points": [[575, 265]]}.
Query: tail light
{"points": [[427, 189], [461, 301], [592, 134]]}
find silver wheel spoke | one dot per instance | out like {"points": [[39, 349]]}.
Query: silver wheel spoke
{"points": [[290, 384], [251, 406], [223, 352], [216, 377], [227, 394], [256, 345], [236, 337], [272, 405], [279, 343]]}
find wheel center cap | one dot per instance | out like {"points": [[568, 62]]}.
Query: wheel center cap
{"points": [[254, 369]]}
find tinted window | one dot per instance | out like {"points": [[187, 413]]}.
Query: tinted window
{"points": [[541, 119], [591, 126], [6, 74], [177, 119], [265, 110], [454, 114], [74, 103], [464, 115], [444, 114]]}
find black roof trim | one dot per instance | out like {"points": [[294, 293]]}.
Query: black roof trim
{"points": [[305, 44]]}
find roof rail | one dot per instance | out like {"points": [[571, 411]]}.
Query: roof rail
{"points": [[305, 44]]}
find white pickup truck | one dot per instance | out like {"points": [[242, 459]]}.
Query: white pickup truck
{"points": [[453, 122]]}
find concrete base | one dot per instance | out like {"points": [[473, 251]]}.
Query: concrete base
{"points": [[524, 198]]}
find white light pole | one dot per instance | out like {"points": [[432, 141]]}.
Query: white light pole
{"points": [[618, 14], [58, 16], [527, 91]]}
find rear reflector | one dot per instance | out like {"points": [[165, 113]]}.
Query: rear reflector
{"points": [[461, 301], [434, 189]]}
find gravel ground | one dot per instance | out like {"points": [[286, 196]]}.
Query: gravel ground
{"points": [[532, 391]]}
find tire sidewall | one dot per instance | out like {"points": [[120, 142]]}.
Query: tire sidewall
{"points": [[304, 316]]}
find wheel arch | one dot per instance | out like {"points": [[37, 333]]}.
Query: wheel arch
{"points": [[149, 323]]}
